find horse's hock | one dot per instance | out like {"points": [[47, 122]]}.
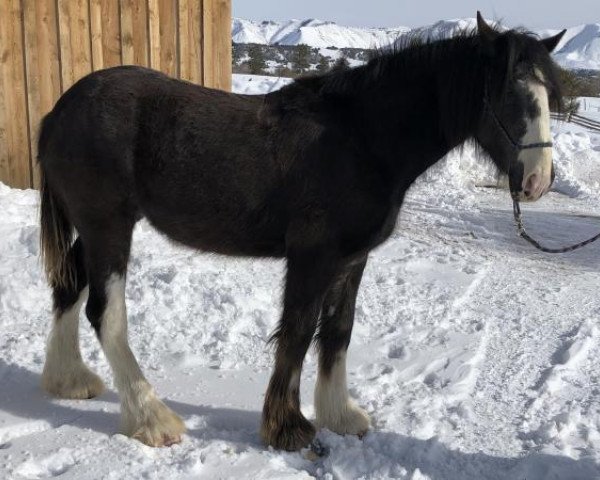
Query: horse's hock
{"points": [[47, 45]]}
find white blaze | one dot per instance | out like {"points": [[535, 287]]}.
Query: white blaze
{"points": [[538, 161]]}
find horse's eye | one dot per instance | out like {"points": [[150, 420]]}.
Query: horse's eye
{"points": [[521, 73]]}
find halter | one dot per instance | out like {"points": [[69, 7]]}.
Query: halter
{"points": [[516, 145], [516, 207]]}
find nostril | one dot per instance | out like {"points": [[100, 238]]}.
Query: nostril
{"points": [[532, 184]]}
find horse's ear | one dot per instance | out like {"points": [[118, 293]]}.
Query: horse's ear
{"points": [[551, 42], [488, 34]]}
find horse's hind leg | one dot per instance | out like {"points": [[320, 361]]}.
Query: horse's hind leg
{"points": [[65, 375], [335, 409], [143, 415]]}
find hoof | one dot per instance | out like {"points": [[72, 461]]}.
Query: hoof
{"points": [[293, 434], [156, 425], [80, 383], [348, 420]]}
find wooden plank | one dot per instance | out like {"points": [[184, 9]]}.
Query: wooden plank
{"points": [[183, 31], [224, 45], [163, 39], [14, 139], [217, 44], [154, 32], [95, 7], [168, 37], [43, 70], [208, 44], [134, 32], [106, 35], [190, 40], [75, 40], [111, 33]]}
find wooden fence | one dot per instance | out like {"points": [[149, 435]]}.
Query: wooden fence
{"points": [[577, 120], [47, 45]]}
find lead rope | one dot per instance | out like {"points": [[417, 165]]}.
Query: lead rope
{"points": [[516, 207], [523, 234]]}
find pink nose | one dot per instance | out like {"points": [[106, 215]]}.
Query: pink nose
{"points": [[532, 185]]}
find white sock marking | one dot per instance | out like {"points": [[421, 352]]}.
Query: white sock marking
{"points": [[335, 409], [144, 416], [65, 375]]}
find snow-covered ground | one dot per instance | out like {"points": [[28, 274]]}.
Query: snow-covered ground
{"points": [[476, 356], [256, 84], [590, 107]]}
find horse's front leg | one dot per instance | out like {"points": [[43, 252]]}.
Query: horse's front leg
{"points": [[335, 409], [283, 425]]}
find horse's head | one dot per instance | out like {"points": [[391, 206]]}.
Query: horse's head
{"points": [[521, 82]]}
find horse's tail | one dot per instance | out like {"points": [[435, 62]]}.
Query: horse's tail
{"points": [[56, 232]]}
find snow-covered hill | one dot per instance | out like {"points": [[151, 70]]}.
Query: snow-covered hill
{"points": [[316, 33], [579, 49]]}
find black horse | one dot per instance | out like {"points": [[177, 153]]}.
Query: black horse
{"points": [[315, 173]]}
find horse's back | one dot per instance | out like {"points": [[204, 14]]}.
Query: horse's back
{"points": [[153, 146]]}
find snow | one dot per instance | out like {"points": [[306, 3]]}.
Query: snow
{"points": [[256, 84], [313, 32], [475, 355], [589, 107], [578, 49]]}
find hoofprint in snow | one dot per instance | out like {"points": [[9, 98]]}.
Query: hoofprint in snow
{"points": [[476, 356]]}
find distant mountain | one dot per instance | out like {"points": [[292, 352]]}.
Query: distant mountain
{"points": [[579, 49], [316, 33]]}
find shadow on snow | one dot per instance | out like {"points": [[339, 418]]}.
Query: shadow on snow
{"points": [[379, 454]]}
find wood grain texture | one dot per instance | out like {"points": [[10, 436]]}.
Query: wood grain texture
{"points": [[75, 40], [47, 45], [190, 40], [134, 33], [15, 166], [168, 37], [42, 68], [217, 44], [105, 25], [154, 33]]}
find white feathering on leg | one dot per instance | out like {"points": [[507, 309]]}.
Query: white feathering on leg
{"points": [[335, 409], [65, 375], [144, 416]]}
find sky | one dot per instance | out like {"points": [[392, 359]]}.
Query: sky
{"points": [[533, 14]]}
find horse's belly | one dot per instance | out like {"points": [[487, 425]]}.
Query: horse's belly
{"points": [[221, 232]]}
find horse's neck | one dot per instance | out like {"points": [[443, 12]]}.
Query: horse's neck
{"points": [[420, 118]]}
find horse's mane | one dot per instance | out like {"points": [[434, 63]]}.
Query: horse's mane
{"points": [[463, 66], [411, 55]]}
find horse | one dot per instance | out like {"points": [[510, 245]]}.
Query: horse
{"points": [[314, 173]]}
